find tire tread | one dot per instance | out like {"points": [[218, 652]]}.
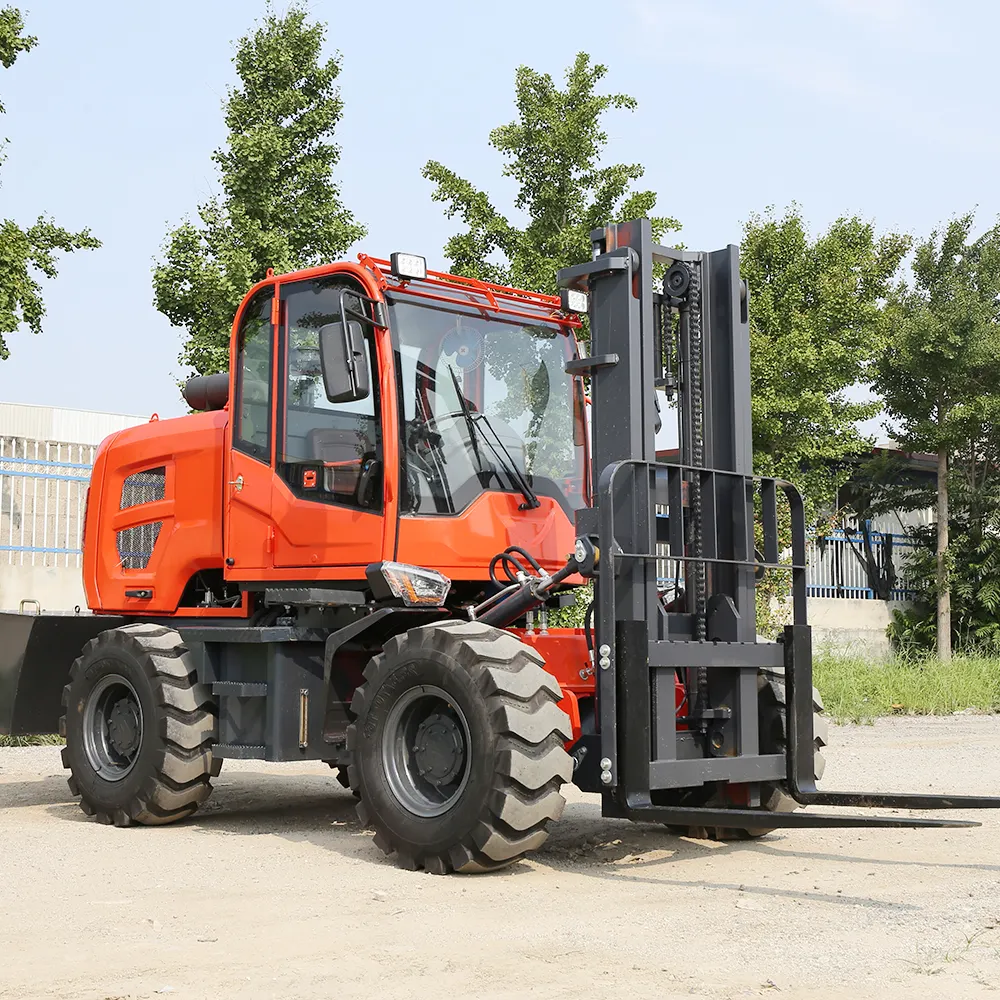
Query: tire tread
{"points": [[186, 728], [531, 762]]}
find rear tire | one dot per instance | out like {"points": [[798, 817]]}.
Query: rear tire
{"points": [[772, 723], [457, 750], [139, 728]]}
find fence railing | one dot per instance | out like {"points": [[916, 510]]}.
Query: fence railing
{"points": [[43, 492], [834, 569]]}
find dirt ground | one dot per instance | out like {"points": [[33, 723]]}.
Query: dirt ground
{"points": [[273, 890]]}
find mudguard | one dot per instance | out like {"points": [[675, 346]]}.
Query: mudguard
{"points": [[36, 652]]}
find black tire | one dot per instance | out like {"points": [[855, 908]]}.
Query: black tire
{"points": [[473, 707], [773, 729], [343, 778], [139, 728]]}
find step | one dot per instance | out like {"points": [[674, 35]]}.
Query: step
{"points": [[238, 751], [240, 689]]}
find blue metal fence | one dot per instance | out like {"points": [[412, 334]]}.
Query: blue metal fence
{"points": [[836, 571], [43, 490]]}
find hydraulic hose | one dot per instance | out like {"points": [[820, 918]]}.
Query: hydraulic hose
{"points": [[512, 566], [524, 593]]}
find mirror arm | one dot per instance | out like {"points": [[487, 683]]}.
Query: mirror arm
{"points": [[380, 320], [378, 317]]}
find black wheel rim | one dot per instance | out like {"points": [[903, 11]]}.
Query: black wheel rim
{"points": [[425, 751], [112, 727]]}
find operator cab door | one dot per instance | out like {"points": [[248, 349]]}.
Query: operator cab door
{"points": [[327, 500], [248, 534]]}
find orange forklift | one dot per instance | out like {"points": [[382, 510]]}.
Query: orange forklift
{"points": [[351, 553]]}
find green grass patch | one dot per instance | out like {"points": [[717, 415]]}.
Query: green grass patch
{"points": [[31, 741], [855, 689]]}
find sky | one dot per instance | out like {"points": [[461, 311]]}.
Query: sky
{"points": [[884, 108]]}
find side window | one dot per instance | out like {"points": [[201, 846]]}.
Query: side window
{"points": [[330, 451], [252, 412]]}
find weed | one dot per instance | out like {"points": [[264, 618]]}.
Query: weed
{"points": [[856, 689]]}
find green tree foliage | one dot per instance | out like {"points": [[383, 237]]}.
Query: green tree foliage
{"points": [[940, 372], [816, 329], [278, 207], [26, 254], [940, 379], [553, 152], [973, 588]]}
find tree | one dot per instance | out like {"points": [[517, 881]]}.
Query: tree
{"points": [[553, 151], [940, 379], [973, 589], [27, 253], [816, 328], [279, 207]]}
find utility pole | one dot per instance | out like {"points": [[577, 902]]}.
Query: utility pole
{"points": [[943, 590]]}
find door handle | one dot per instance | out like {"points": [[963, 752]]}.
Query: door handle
{"points": [[238, 483]]}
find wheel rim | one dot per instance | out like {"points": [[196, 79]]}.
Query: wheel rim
{"points": [[112, 727], [425, 750]]}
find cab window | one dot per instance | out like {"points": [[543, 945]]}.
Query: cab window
{"points": [[252, 423], [330, 451]]}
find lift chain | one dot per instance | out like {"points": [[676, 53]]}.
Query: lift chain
{"points": [[694, 486]]}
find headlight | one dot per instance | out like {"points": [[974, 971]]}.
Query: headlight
{"points": [[415, 586]]}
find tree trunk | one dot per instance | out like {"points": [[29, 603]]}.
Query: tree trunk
{"points": [[943, 589]]}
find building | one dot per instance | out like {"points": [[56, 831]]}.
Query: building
{"points": [[46, 454]]}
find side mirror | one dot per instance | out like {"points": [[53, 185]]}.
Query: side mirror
{"points": [[342, 357]]}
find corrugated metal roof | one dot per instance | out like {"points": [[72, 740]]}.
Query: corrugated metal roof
{"points": [[57, 423]]}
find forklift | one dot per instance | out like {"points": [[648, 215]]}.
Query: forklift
{"points": [[353, 551]]}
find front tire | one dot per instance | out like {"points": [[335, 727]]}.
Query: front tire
{"points": [[457, 750], [139, 728]]}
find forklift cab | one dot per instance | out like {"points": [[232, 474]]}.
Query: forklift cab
{"points": [[370, 417]]}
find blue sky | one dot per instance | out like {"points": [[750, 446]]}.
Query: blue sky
{"points": [[885, 108]]}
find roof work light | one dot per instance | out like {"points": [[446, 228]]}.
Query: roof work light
{"points": [[573, 300], [408, 266]]}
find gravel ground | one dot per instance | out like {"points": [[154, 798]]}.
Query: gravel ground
{"points": [[273, 890]]}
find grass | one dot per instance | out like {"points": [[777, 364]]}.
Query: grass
{"points": [[30, 741], [855, 689]]}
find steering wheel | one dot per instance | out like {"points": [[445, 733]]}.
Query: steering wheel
{"points": [[421, 466]]}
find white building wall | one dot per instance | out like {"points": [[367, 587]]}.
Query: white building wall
{"points": [[856, 627], [60, 424]]}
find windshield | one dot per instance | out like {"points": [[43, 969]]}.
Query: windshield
{"points": [[487, 405]]}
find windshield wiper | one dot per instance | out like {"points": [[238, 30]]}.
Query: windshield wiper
{"points": [[531, 500], [467, 413], [507, 461]]}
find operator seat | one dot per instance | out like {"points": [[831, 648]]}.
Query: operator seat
{"points": [[341, 451]]}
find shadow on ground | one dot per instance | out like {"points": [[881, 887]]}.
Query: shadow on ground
{"points": [[313, 808]]}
